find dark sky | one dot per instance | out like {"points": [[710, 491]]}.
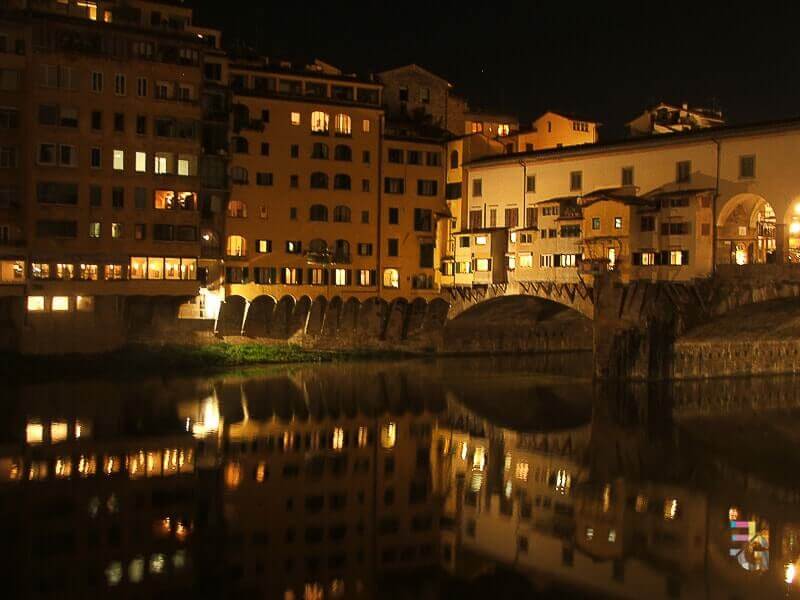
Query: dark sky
{"points": [[604, 62]]}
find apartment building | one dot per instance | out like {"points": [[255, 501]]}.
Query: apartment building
{"points": [[554, 129], [662, 207], [101, 194]]}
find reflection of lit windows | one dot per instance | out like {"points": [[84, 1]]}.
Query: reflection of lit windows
{"points": [[476, 481], [362, 437], [34, 433], [111, 465], [136, 570], [114, 573], [153, 463], [563, 481], [338, 438], [233, 475], [589, 533], [58, 431], [157, 563], [261, 472], [612, 535], [607, 498], [389, 435], [479, 458], [179, 560], [112, 504], [522, 470], [37, 470], [509, 489], [87, 465], [507, 461], [136, 465], [670, 509], [463, 450], [94, 506], [641, 503], [63, 468]]}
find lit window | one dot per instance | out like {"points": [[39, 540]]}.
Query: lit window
{"points": [[589, 533], [237, 246], [479, 458], [63, 468], [136, 570], [617, 222], [563, 482], [261, 472], [116, 230], [34, 433], [641, 503], [155, 268], [389, 435], [157, 563], [481, 240], [503, 129], [670, 509], [483, 265], [342, 124], [119, 160], [58, 431], [60, 304], [319, 121], [87, 465], [138, 267], [84, 303], [612, 535], [676, 257], [464, 449], [526, 260], [141, 162], [340, 277], [295, 118], [365, 125], [233, 475], [391, 278], [35, 303]]}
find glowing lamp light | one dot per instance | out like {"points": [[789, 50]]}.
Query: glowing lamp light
{"points": [[794, 228], [789, 573]]}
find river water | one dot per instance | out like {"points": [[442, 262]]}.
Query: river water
{"points": [[502, 477]]}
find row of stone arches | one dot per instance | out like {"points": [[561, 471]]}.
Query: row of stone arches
{"points": [[373, 318]]}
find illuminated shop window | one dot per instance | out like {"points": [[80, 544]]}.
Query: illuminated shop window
{"points": [[59, 304], [35, 303], [84, 304], [155, 268], [58, 431], [172, 268], [34, 433]]}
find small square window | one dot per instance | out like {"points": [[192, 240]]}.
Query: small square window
{"points": [[617, 222]]}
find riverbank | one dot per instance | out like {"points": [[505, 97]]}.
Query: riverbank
{"points": [[135, 360]]}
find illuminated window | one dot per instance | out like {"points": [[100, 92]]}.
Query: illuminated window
{"points": [[522, 471], [563, 482], [261, 472], [236, 209], [483, 265], [365, 125], [179, 559], [116, 230], [670, 509], [338, 438], [612, 535], [319, 121], [111, 272], [589, 533], [88, 272], [141, 162], [35, 303], [172, 268], [87, 465], [58, 431], [389, 435], [526, 260], [157, 564], [507, 461], [112, 465], [119, 160], [391, 278], [60, 304], [342, 124], [65, 271], [481, 240], [340, 277], [236, 246], [464, 449], [136, 570], [34, 433], [503, 129], [155, 268], [641, 503], [676, 258], [479, 458], [295, 118]]}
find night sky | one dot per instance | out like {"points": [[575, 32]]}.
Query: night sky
{"points": [[605, 63]]}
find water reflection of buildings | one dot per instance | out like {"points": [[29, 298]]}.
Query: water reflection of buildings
{"points": [[326, 483]]}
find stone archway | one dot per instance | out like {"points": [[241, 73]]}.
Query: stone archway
{"points": [[747, 231], [259, 316], [230, 319]]}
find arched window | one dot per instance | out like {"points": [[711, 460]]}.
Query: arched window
{"points": [[341, 182], [319, 150], [239, 175], [237, 246], [319, 181], [240, 145], [237, 209], [319, 212], [342, 251], [341, 214], [319, 122], [454, 159], [317, 246], [391, 278], [342, 124], [342, 152]]}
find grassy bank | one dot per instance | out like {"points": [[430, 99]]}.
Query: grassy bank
{"points": [[135, 360]]}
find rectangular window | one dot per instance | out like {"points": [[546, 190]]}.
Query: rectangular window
{"points": [[395, 155], [118, 197], [97, 120], [414, 157], [264, 148], [365, 249], [293, 247], [627, 176], [119, 122], [9, 157], [57, 193], [341, 276], [141, 125], [427, 187], [576, 181], [423, 219], [141, 162], [433, 159], [747, 167], [294, 118], [617, 222], [365, 157], [394, 185], [595, 223], [512, 217], [95, 157], [47, 154], [683, 171], [366, 277], [648, 223], [139, 231], [97, 81], [681, 228], [394, 247], [475, 219], [530, 183], [140, 198], [263, 246], [119, 84], [94, 229], [477, 188], [263, 178], [119, 160], [95, 196], [394, 216], [141, 87]]}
